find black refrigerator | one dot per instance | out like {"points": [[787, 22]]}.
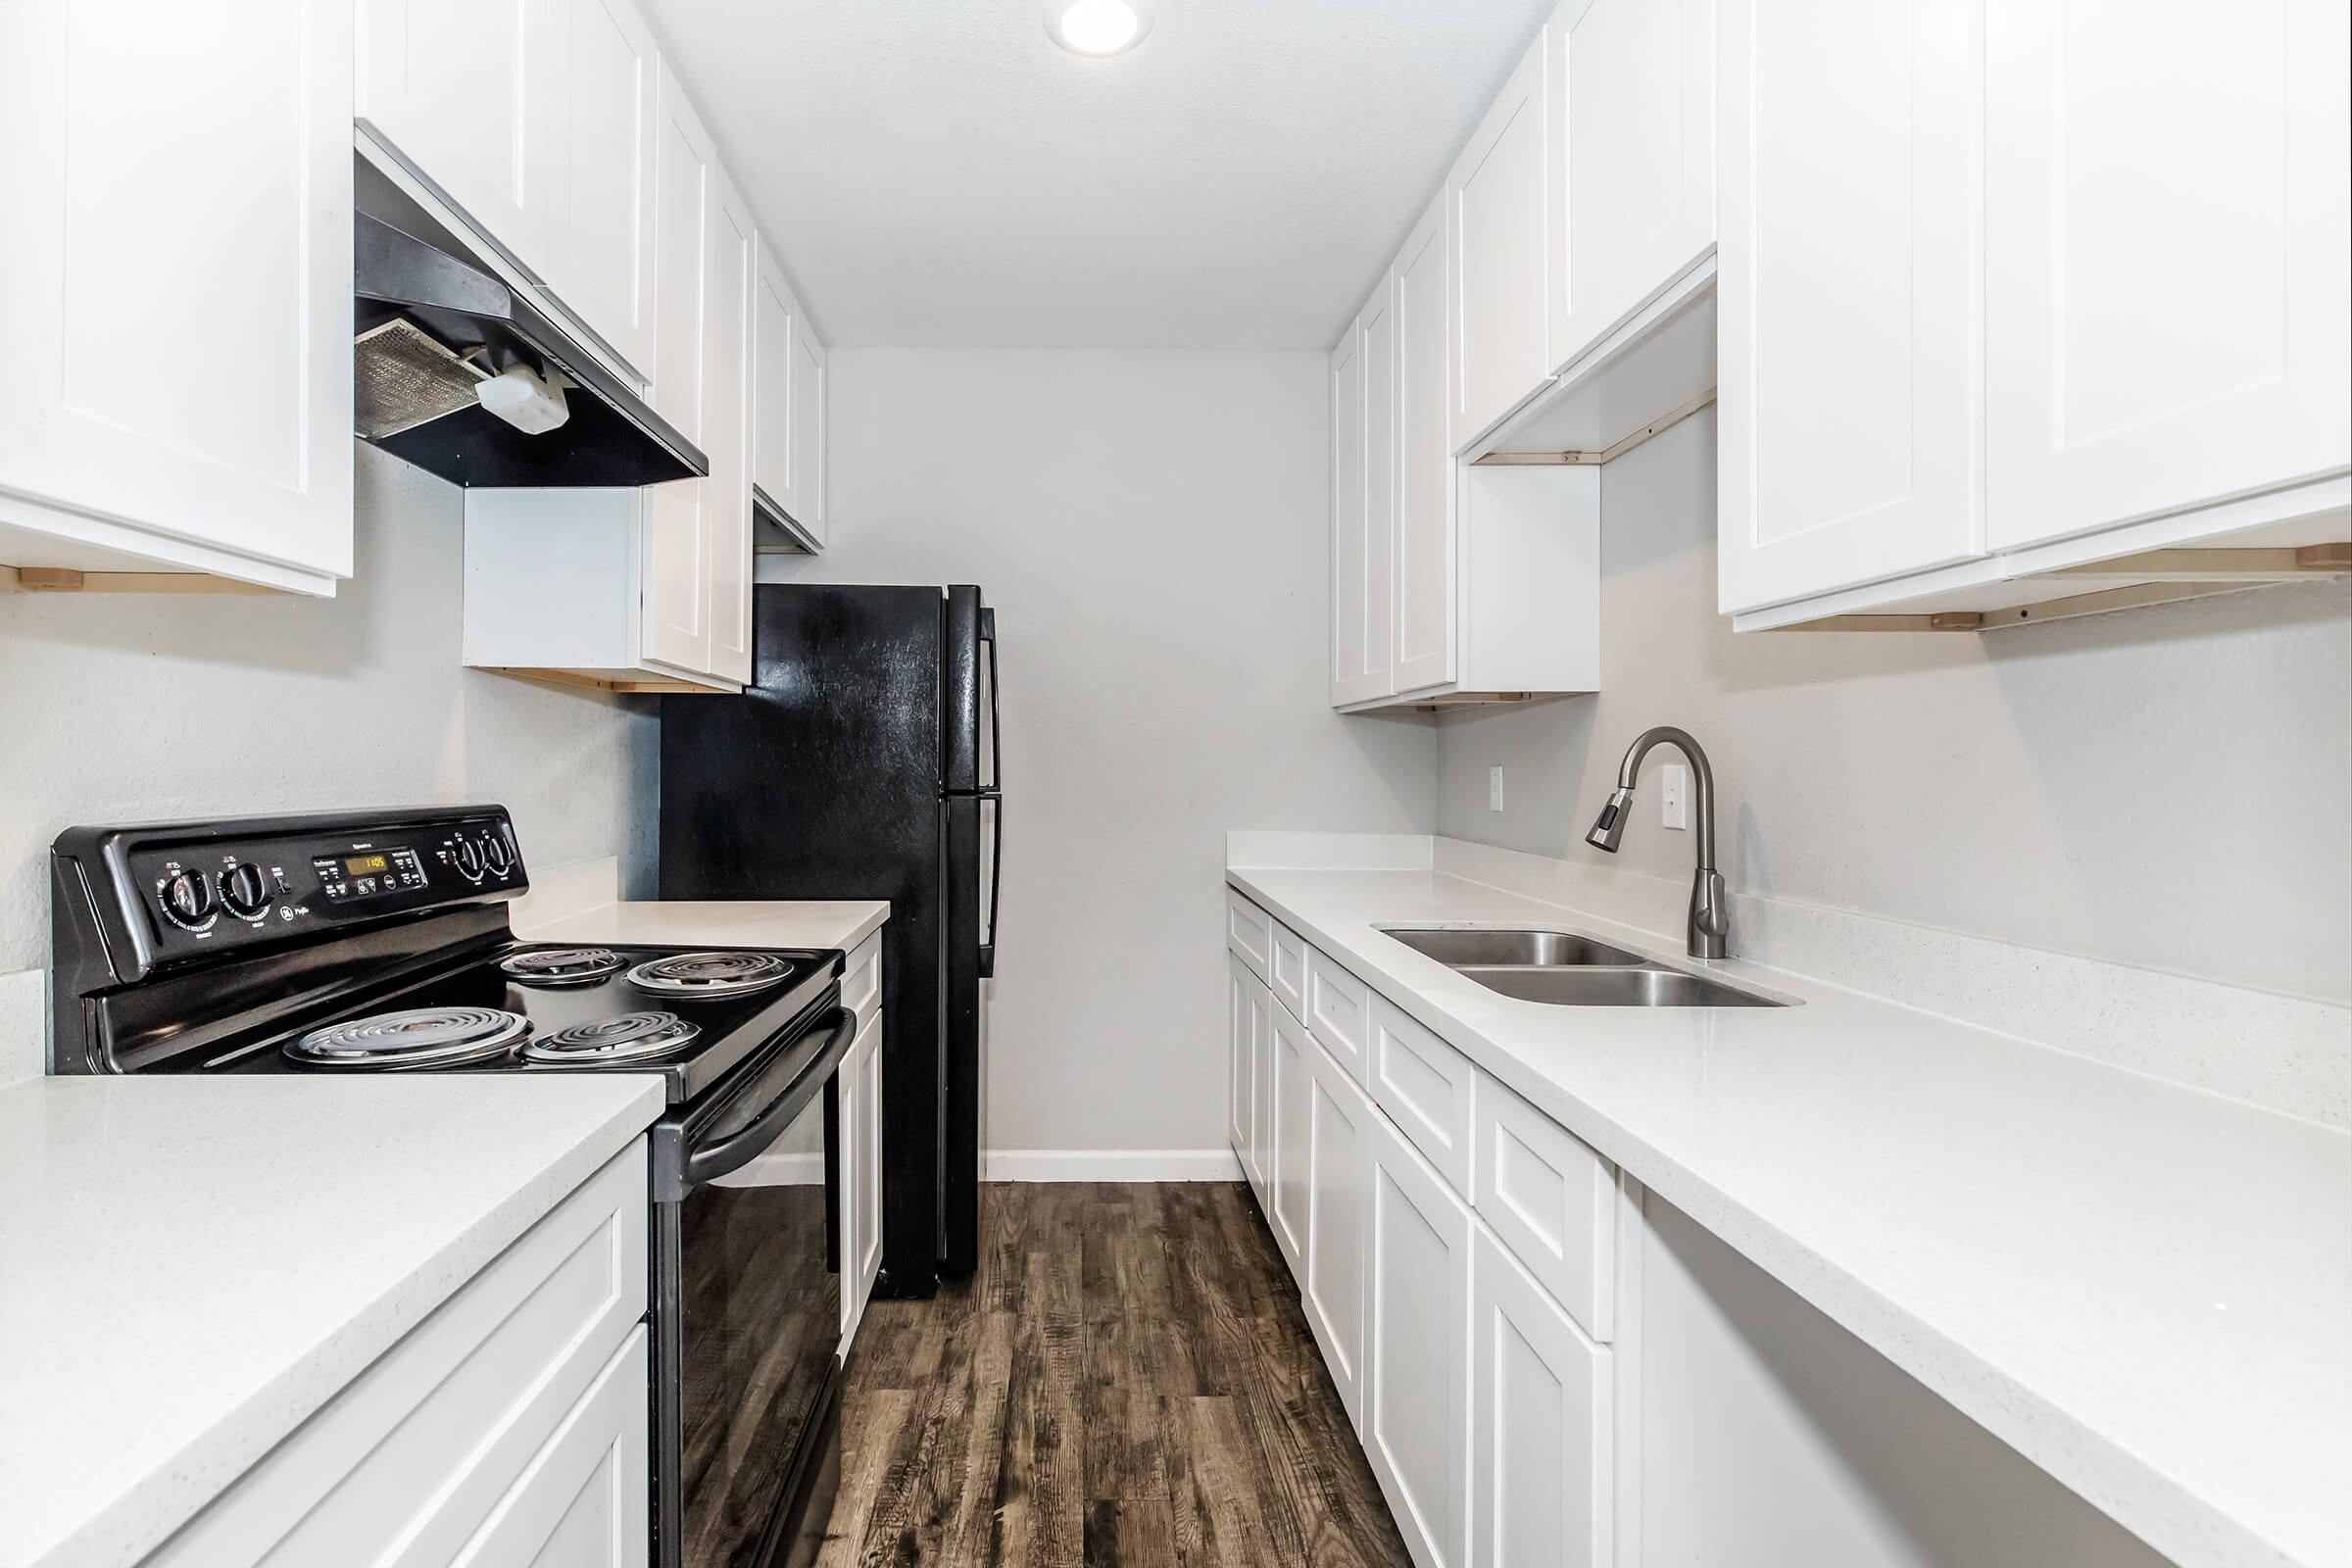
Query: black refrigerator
{"points": [[861, 763]]}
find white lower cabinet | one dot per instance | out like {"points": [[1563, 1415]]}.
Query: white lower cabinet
{"points": [[510, 1427], [860, 1153], [1250, 1021], [1541, 1413], [1292, 1077], [1334, 1279], [1416, 1424]]}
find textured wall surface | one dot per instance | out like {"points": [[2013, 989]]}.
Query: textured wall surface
{"points": [[1152, 529], [2166, 787], [139, 706]]}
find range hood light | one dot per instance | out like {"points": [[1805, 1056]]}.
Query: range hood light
{"points": [[529, 402]]}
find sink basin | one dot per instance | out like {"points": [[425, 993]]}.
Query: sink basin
{"points": [[1644, 987], [1544, 949]]}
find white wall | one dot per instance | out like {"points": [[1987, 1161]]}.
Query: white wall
{"points": [[2165, 787], [136, 706], [1151, 528]]}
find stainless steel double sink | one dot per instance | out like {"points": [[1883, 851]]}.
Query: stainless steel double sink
{"points": [[1570, 970]]}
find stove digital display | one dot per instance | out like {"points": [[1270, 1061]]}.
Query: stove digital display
{"points": [[367, 876]]}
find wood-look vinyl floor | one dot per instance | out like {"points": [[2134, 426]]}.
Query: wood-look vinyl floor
{"points": [[1127, 1382]]}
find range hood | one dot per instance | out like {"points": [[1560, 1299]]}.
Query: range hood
{"points": [[434, 328]]}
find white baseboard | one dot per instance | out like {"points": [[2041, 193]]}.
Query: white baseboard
{"points": [[1111, 1165]]}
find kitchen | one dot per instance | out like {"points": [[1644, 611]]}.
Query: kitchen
{"points": [[1364, 424]]}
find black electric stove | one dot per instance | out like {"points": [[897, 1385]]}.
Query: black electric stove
{"points": [[379, 941]]}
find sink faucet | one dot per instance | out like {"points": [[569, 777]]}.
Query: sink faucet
{"points": [[1711, 915]]}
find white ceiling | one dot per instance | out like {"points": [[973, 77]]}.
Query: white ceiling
{"points": [[937, 172]]}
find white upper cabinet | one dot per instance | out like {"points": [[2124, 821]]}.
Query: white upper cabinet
{"points": [[469, 94], [1497, 195], [601, 260], [1632, 112], [726, 495], [788, 404], [200, 422], [773, 311], [535, 119], [807, 484], [1852, 293], [1424, 555], [1362, 445], [676, 598], [2165, 309]]}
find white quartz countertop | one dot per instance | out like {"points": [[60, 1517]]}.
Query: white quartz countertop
{"points": [[727, 923], [191, 1266], [2144, 1288]]}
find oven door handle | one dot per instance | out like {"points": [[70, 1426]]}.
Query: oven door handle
{"points": [[745, 1145]]}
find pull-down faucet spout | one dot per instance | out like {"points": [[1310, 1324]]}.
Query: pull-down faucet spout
{"points": [[1711, 915]]}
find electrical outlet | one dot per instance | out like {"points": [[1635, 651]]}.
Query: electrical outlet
{"points": [[1495, 788], [1674, 796]]}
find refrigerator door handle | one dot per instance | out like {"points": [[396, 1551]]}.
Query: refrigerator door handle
{"points": [[995, 886], [996, 732]]}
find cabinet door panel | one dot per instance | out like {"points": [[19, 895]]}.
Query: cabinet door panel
{"points": [[870, 1175], [1417, 1414], [676, 605], [1633, 175], [1850, 293], [1540, 1410], [1426, 557], [1334, 1288], [1292, 1052], [773, 311], [216, 410], [2168, 262], [601, 263], [808, 427], [1361, 607], [469, 93], [1500, 235], [726, 411], [1241, 1072], [584, 1502], [1261, 1161]]}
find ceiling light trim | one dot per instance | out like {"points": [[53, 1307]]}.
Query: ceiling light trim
{"points": [[1094, 34]]}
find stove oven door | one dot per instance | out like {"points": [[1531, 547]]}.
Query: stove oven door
{"points": [[748, 1318]]}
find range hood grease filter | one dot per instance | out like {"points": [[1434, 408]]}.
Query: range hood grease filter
{"points": [[406, 380]]}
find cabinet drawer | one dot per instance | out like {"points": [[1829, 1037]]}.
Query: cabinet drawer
{"points": [[1286, 974], [1250, 932], [1425, 1086], [862, 980], [422, 1446], [1552, 1200], [1338, 1009]]}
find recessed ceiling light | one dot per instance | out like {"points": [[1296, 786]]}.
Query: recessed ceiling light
{"points": [[1098, 28]]}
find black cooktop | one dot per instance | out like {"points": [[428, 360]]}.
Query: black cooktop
{"points": [[689, 1014]]}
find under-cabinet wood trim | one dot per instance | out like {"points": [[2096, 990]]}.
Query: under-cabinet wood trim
{"points": [[2157, 577], [1609, 454], [68, 580], [623, 685]]}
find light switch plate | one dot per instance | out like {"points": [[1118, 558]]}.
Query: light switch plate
{"points": [[1495, 788], [1674, 796]]}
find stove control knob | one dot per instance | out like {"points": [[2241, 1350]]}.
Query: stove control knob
{"points": [[496, 854], [188, 900], [245, 890], [468, 856]]}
